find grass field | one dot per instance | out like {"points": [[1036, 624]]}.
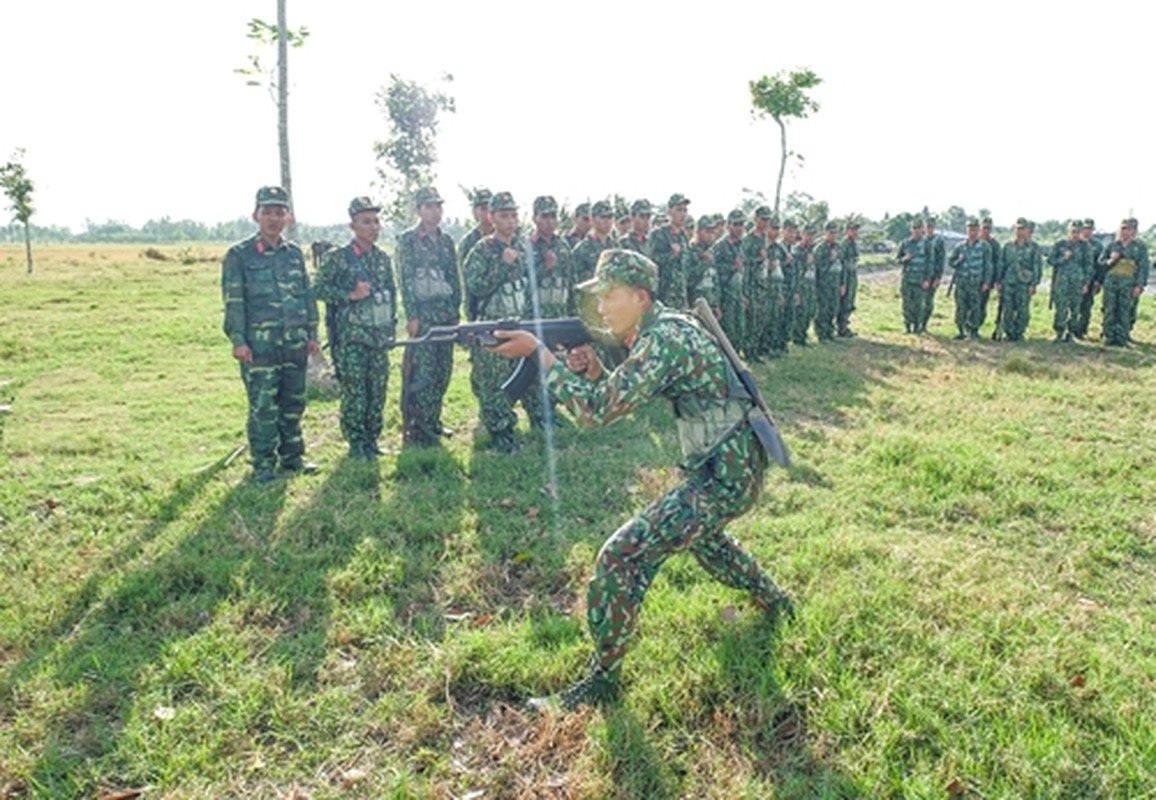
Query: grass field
{"points": [[969, 531]]}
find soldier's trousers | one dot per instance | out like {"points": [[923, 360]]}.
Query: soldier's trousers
{"points": [[928, 305], [1117, 309], [1067, 299], [425, 376], [780, 318], [913, 296], [689, 517], [487, 374], [984, 297], [847, 301], [1017, 311], [1084, 317], [827, 294], [275, 385], [968, 307], [364, 376], [758, 319], [733, 320], [803, 311]]}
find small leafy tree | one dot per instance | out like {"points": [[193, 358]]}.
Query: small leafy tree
{"points": [[781, 97], [407, 156], [18, 188]]}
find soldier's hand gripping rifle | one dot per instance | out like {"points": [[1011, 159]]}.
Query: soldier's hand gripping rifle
{"points": [[565, 333]]}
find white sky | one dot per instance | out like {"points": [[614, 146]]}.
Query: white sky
{"points": [[129, 109]]}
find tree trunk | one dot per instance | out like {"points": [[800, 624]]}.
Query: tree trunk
{"points": [[283, 109], [782, 162], [28, 246]]}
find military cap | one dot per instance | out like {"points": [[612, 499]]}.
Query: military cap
{"points": [[677, 200], [503, 201], [773, 221], [854, 225], [1129, 222], [789, 222], [716, 220], [736, 217], [1075, 225], [763, 212], [986, 222], [1022, 222], [272, 196], [972, 222], [601, 208], [931, 221], [481, 197], [917, 222], [811, 228], [427, 195], [359, 204], [545, 204], [622, 216], [641, 207], [1090, 223], [582, 210], [831, 227], [622, 268], [706, 221]]}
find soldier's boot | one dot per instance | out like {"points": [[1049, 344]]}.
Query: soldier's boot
{"points": [[959, 337], [299, 466], [598, 688], [262, 475], [777, 605]]}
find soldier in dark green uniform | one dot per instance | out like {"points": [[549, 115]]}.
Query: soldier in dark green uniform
{"points": [[777, 312], [758, 287], [849, 257], [621, 222], [790, 278], [480, 202], [357, 281], [1071, 261], [803, 288], [431, 292], [597, 239], [985, 235], [636, 236], [671, 356], [913, 260], [1084, 320], [496, 274], [828, 282], [271, 321], [972, 273], [1021, 267], [551, 287], [937, 259], [666, 247], [728, 262], [1127, 264], [701, 276], [580, 227]]}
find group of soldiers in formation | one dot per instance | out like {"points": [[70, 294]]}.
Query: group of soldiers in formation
{"points": [[769, 281]]}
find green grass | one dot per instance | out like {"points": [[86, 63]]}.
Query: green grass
{"points": [[969, 531]]}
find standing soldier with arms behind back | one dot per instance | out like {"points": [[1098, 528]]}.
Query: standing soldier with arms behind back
{"points": [[701, 275], [1071, 261], [913, 260], [667, 248], [937, 261], [972, 275], [1096, 253], [271, 321], [1021, 266], [597, 239], [728, 263], [581, 225], [357, 281], [849, 257], [480, 202], [828, 282], [803, 261], [758, 287], [985, 235], [777, 313], [431, 292], [1127, 264]]}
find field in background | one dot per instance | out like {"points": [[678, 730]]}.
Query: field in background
{"points": [[969, 531]]}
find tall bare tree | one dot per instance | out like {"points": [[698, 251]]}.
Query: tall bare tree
{"points": [[18, 188], [783, 96]]}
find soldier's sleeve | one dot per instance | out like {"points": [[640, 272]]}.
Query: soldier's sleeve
{"points": [[332, 284], [483, 274], [311, 315], [651, 365], [1037, 265], [988, 265], [568, 266], [453, 273], [390, 285], [404, 253], [233, 296]]}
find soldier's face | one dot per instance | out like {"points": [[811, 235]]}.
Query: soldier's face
{"points": [[621, 308], [829, 237], [366, 227], [272, 220], [985, 232], [582, 223], [852, 233], [1126, 234], [772, 232], [546, 224], [972, 233], [640, 223], [602, 225], [791, 235], [482, 215], [736, 229], [1086, 234], [430, 214], [678, 216], [916, 231], [505, 221]]}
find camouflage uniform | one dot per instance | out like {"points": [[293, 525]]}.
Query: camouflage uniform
{"points": [[431, 293], [1071, 261], [728, 263], [758, 288], [667, 248], [1021, 267], [701, 275], [552, 293], [915, 272], [502, 290], [270, 308], [587, 252], [573, 237], [849, 257], [802, 290], [1127, 268], [366, 328], [478, 198], [1084, 320], [673, 357], [996, 254], [972, 270], [937, 259], [828, 283], [778, 310]]}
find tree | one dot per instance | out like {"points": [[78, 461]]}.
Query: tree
{"points": [[406, 157], [18, 188], [783, 96], [277, 82]]}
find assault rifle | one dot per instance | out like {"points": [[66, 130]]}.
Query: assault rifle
{"points": [[556, 334]]}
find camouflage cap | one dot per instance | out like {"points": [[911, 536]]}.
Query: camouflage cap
{"points": [[931, 222], [1090, 223], [736, 217], [789, 222], [677, 199], [503, 201], [480, 197], [272, 196], [854, 225], [622, 268], [582, 210], [717, 220], [359, 204], [972, 222], [641, 207], [773, 221], [427, 195], [1022, 222], [831, 227], [763, 212], [811, 228], [917, 221], [986, 222], [706, 221], [1075, 225], [1129, 222], [545, 204], [601, 208], [622, 216]]}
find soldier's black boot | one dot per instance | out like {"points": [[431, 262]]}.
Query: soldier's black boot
{"points": [[777, 605], [598, 688]]}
